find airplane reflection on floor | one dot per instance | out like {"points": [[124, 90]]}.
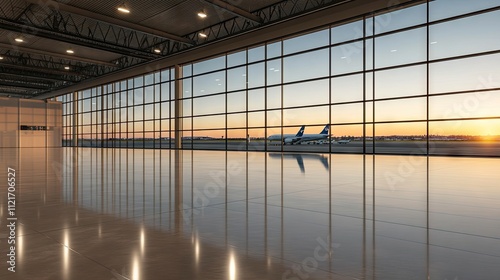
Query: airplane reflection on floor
{"points": [[143, 214], [300, 158]]}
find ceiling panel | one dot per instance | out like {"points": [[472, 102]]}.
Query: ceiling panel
{"points": [[98, 41]]}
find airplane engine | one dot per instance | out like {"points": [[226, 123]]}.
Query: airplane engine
{"points": [[288, 141]]}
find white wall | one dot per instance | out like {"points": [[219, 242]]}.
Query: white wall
{"points": [[15, 113]]}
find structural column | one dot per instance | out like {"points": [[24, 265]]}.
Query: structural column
{"points": [[178, 107], [75, 119]]}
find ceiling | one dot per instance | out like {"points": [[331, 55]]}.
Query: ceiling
{"points": [[105, 40]]}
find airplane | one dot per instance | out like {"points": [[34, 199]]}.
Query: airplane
{"points": [[301, 137], [323, 135], [288, 138], [343, 141]]}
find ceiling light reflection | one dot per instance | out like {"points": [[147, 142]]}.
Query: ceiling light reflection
{"points": [[232, 266]]}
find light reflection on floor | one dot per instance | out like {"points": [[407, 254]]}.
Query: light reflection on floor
{"points": [[159, 214]]}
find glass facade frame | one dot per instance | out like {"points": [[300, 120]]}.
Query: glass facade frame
{"points": [[380, 81]]}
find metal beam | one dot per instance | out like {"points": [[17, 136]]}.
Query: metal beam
{"points": [[24, 80], [109, 20], [51, 71], [23, 28], [21, 85], [233, 10], [33, 77], [64, 56], [13, 94]]}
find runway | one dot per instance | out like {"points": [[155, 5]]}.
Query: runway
{"points": [[457, 148]]}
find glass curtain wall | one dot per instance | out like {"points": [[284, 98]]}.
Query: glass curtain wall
{"points": [[133, 113], [416, 80]]}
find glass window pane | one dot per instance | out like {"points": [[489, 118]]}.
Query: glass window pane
{"points": [[274, 118], [209, 105], [347, 32], [401, 48], [138, 113], [210, 83], [274, 97], [149, 94], [165, 75], [347, 58], [274, 49], [306, 66], [306, 116], [309, 93], [237, 78], [138, 81], [256, 54], [347, 113], [353, 133], [209, 122], [165, 110], [400, 82], [467, 105], [401, 109], [465, 137], [149, 112], [256, 99], [465, 36], [256, 75], [256, 119], [186, 107], [237, 58], [209, 65], [148, 79], [464, 74], [157, 93], [401, 18], [401, 138], [236, 101], [440, 9], [347, 88], [187, 70], [306, 42], [274, 72], [236, 120], [138, 96], [165, 91]]}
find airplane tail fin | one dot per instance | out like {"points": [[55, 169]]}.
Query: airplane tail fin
{"points": [[326, 130], [301, 131]]}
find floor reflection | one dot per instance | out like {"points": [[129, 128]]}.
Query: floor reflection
{"points": [[88, 213]]}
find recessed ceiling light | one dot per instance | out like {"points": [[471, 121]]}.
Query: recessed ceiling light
{"points": [[157, 50], [203, 35], [70, 51], [394, 50], [202, 14], [66, 67], [1, 57], [20, 40], [123, 9]]}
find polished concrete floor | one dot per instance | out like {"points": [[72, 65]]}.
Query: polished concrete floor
{"points": [[115, 214]]}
